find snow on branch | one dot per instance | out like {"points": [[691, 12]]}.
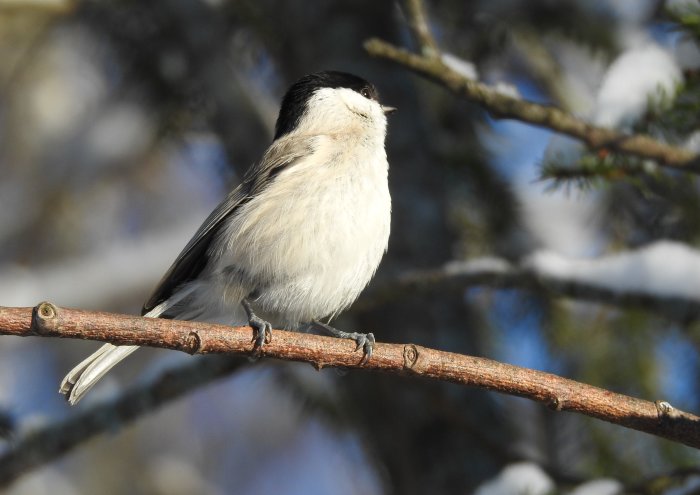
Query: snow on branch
{"points": [[431, 64], [560, 394], [663, 277]]}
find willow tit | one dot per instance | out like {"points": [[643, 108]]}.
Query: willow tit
{"points": [[298, 239]]}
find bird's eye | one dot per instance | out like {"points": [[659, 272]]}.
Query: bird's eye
{"points": [[365, 92]]}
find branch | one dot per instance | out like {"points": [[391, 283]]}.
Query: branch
{"points": [[557, 393], [498, 273], [500, 105], [54, 440], [546, 70], [418, 22]]}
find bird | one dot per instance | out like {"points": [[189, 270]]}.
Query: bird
{"points": [[299, 238]]}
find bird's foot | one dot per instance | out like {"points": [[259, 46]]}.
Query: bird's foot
{"points": [[364, 341], [262, 329], [262, 334]]}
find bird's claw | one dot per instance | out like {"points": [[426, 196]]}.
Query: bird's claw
{"points": [[262, 333], [262, 329], [362, 340], [366, 342]]}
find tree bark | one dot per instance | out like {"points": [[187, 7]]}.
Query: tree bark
{"points": [[560, 394]]}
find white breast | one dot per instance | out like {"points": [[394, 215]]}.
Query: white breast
{"points": [[315, 237]]}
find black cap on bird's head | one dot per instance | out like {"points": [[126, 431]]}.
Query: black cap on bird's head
{"points": [[294, 101]]}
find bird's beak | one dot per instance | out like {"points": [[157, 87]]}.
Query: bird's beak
{"points": [[388, 110]]}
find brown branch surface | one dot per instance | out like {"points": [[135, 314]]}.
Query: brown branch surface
{"points": [[558, 393], [501, 105]]}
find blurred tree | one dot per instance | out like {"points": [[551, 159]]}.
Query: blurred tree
{"points": [[123, 123]]}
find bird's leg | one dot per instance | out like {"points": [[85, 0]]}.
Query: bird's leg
{"points": [[263, 329], [364, 340]]}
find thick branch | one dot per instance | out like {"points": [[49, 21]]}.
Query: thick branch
{"points": [[501, 105], [557, 393]]}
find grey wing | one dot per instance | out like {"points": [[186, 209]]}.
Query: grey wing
{"points": [[281, 155]]}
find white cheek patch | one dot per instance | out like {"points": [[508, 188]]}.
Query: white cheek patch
{"points": [[356, 102]]}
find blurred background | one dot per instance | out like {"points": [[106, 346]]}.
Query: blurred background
{"points": [[123, 123]]}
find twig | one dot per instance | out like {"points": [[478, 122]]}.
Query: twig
{"points": [[501, 105], [545, 68], [54, 440], [557, 393], [418, 22]]}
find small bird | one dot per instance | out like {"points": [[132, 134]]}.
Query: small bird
{"points": [[297, 240]]}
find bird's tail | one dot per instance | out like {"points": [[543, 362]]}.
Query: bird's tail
{"points": [[86, 374]]}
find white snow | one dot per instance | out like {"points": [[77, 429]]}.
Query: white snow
{"points": [[461, 66], [598, 487], [526, 478], [522, 478], [506, 89], [663, 268], [638, 75]]}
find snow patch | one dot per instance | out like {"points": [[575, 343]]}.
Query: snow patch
{"points": [[523, 478], [663, 268], [644, 73]]}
